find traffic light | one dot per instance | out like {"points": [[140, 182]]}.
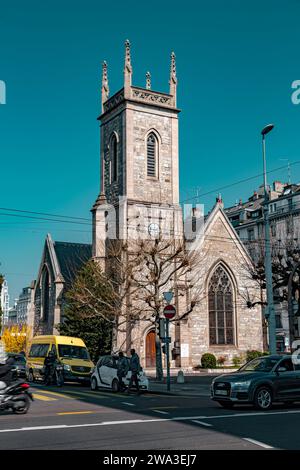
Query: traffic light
{"points": [[162, 328]]}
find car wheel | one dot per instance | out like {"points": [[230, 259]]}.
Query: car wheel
{"points": [[115, 385], [227, 404], [94, 385], [263, 398], [30, 376]]}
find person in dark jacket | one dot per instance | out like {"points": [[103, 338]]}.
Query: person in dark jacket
{"points": [[122, 369], [134, 367], [49, 366]]}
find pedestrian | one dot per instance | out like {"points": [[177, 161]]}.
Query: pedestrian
{"points": [[122, 369], [134, 367], [49, 363]]}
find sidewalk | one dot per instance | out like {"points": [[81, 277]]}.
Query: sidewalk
{"points": [[193, 386]]}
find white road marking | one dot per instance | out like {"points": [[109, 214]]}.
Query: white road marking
{"points": [[153, 420], [161, 412], [201, 422], [129, 404], [258, 443]]}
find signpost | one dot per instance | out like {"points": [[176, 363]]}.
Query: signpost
{"points": [[169, 313]]}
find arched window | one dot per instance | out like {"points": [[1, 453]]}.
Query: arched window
{"points": [[152, 151], [220, 304], [114, 158], [45, 295]]}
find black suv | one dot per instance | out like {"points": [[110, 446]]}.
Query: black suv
{"points": [[262, 382], [18, 365]]}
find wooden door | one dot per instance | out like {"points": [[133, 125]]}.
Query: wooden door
{"points": [[150, 349]]}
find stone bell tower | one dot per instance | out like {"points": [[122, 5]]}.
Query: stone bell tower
{"points": [[139, 159]]}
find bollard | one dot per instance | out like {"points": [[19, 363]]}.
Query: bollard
{"points": [[180, 377]]}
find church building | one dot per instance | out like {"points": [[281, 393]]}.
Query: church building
{"points": [[140, 168]]}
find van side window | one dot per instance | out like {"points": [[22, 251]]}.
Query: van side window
{"points": [[39, 350]]}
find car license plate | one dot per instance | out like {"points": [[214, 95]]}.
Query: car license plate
{"points": [[82, 378], [220, 392]]}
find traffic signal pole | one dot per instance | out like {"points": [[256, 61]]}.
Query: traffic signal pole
{"points": [[168, 355]]}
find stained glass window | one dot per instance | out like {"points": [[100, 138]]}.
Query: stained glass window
{"points": [[220, 304]]}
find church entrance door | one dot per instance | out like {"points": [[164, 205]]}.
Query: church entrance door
{"points": [[150, 349]]}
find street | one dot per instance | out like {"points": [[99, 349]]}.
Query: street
{"points": [[77, 418]]}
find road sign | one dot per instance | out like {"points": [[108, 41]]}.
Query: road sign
{"points": [[168, 296], [169, 311]]}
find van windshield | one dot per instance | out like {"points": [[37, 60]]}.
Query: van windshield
{"points": [[73, 352]]}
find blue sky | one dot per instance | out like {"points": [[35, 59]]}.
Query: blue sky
{"points": [[235, 64]]}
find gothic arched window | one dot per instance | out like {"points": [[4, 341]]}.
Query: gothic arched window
{"points": [[220, 304], [45, 294], [152, 151], [114, 158]]}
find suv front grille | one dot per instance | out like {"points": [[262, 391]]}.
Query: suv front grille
{"points": [[222, 389], [81, 369]]}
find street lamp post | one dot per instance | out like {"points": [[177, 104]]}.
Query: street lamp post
{"points": [[268, 259]]}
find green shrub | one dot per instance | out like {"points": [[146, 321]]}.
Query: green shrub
{"points": [[253, 354], [237, 360], [208, 361]]}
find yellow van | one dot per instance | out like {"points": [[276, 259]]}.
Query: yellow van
{"points": [[71, 352]]}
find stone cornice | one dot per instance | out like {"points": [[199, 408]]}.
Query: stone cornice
{"points": [[139, 95]]}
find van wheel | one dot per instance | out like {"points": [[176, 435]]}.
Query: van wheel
{"points": [[30, 376], [94, 384], [263, 398], [115, 385]]}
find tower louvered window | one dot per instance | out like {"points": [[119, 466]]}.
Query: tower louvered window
{"points": [[220, 300], [151, 155], [114, 158]]}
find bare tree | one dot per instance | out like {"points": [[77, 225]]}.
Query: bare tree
{"points": [[156, 266], [137, 272], [286, 274]]}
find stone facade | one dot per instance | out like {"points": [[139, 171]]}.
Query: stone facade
{"points": [[131, 115]]}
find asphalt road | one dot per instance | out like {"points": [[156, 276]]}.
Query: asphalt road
{"points": [[76, 418]]}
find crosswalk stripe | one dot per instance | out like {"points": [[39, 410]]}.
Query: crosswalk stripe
{"points": [[86, 394], [47, 392], [37, 396], [75, 413]]}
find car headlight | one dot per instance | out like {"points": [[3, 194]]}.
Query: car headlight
{"points": [[67, 367], [241, 385]]}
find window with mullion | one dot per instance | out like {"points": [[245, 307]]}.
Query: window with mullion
{"points": [[151, 156], [114, 158], [220, 304]]}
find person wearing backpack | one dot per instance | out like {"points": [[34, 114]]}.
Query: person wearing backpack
{"points": [[135, 368]]}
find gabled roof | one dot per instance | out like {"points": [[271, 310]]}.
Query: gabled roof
{"points": [[71, 257], [218, 212], [66, 259]]}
